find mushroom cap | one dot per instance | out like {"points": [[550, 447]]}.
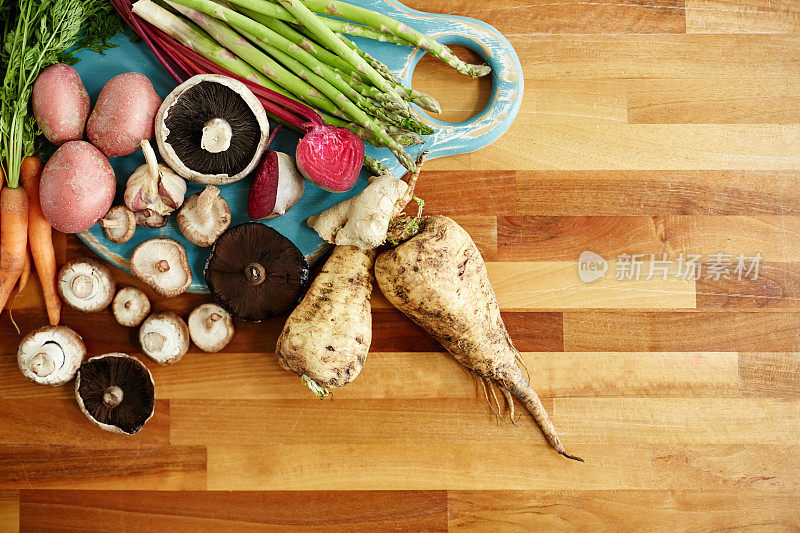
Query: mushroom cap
{"points": [[119, 224], [164, 337], [86, 284], [50, 355], [130, 306], [211, 327], [116, 392], [203, 229], [162, 264], [256, 273], [190, 108]]}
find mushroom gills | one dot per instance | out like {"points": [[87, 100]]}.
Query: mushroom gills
{"points": [[86, 284], [190, 115], [116, 392]]}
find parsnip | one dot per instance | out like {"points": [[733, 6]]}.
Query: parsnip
{"points": [[326, 338], [439, 280]]}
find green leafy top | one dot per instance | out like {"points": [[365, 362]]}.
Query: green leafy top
{"points": [[37, 34]]}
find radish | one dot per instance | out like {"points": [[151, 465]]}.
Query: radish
{"points": [[330, 157]]}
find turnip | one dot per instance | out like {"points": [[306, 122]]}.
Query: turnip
{"points": [[438, 279], [60, 103], [277, 185], [123, 115], [77, 187], [330, 157]]}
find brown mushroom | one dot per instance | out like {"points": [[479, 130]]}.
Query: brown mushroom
{"points": [[204, 217], [130, 306], [116, 392], [162, 264], [119, 224], [86, 284], [211, 327], [164, 338]]}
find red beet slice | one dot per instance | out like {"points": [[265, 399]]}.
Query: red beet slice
{"points": [[330, 157]]}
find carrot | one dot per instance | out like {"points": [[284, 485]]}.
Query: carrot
{"points": [[13, 238], [26, 271], [40, 237]]}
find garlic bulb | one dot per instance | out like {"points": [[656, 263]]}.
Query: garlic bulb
{"points": [[154, 186]]}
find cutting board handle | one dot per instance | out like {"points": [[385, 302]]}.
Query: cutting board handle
{"points": [[507, 79]]}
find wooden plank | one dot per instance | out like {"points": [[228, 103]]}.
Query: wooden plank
{"points": [[771, 375], [627, 466], [611, 146], [737, 16], [775, 238], [568, 16], [656, 192], [234, 511], [25, 466], [650, 510], [777, 287], [678, 420], [487, 193], [373, 423], [713, 101], [9, 511], [734, 57], [449, 466], [40, 421], [642, 331]]}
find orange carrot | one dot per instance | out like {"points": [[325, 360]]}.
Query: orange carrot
{"points": [[26, 270], [40, 237], [13, 238]]}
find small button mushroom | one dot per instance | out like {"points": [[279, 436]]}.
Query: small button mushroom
{"points": [[154, 186], [164, 338], [130, 306], [116, 392], [86, 284], [162, 264], [50, 355], [119, 224], [204, 217], [211, 327]]}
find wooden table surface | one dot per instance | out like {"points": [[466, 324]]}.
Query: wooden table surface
{"points": [[664, 127]]}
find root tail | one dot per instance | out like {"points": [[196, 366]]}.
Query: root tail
{"points": [[516, 384]]}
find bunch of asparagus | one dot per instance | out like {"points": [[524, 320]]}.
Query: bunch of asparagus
{"points": [[290, 50]]}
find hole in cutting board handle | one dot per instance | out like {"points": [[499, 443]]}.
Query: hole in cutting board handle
{"points": [[462, 98]]}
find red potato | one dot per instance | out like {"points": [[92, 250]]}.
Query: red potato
{"points": [[60, 104], [123, 115], [77, 187]]}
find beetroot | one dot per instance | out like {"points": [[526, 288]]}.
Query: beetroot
{"points": [[330, 157]]}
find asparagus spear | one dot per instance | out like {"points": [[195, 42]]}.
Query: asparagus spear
{"points": [[243, 23], [384, 71], [395, 27], [233, 41], [425, 101], [375, 166], [327, 38]]}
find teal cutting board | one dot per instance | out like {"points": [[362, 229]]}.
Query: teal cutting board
{"points": [[449, 139]]}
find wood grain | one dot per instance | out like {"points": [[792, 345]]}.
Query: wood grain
{"points": [[646, 127], [239, 511], [650, 510]]}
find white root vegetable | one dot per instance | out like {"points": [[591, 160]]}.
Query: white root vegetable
{"points": [[329, 354], [438, 279]]}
